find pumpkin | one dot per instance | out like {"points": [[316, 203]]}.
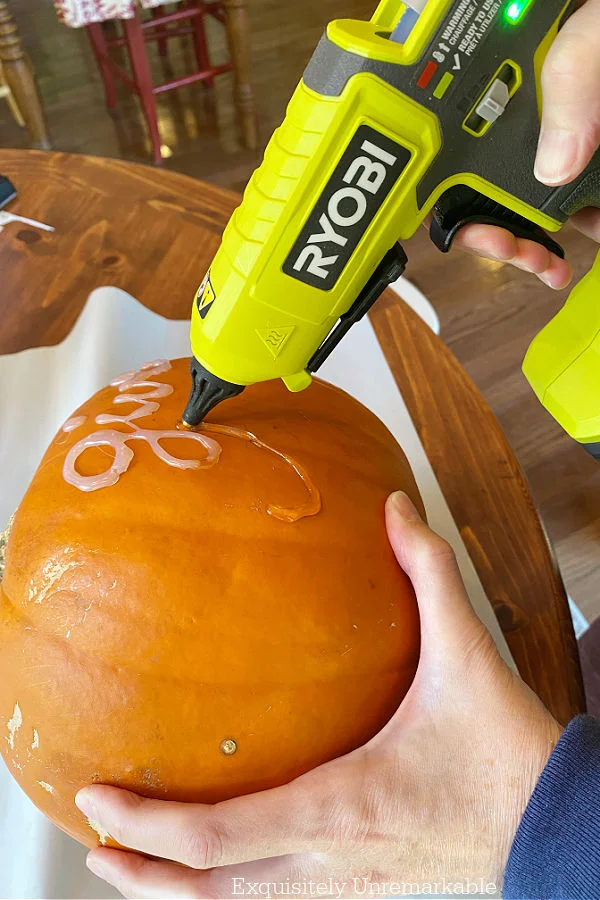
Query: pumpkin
{"points": [[199, 615]]}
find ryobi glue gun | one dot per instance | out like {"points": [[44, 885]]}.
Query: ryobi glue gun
{"points": [[429, 107]]}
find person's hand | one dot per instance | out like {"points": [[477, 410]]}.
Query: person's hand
{"points": [[435, 797], [569, 138]]}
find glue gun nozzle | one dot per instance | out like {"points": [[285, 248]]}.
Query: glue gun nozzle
{"points": [[207, 392]]}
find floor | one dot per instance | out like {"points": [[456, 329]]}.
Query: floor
{"points": [[488, 314]]}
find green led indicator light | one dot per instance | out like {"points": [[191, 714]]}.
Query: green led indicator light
{"points": [[515, 11]]}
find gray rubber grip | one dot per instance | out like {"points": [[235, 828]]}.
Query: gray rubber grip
{"points": [[583, 192]]}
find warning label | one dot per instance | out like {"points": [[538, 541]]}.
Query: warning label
{"points": [[205, 296], [469, 24]]}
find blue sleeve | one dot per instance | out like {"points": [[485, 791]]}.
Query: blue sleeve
{"points": [[556, 851]]}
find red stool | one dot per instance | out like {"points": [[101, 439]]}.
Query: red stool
{"points": [[188, 18]]}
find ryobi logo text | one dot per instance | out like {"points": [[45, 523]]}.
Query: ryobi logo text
{"points": [[363, 178]]}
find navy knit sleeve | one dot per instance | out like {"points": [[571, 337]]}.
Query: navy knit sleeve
{"points": [[556, 851]]}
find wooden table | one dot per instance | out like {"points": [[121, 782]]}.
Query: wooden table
{"points": [[154, 233]]}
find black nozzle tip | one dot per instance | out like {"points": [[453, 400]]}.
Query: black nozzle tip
{"points": [[207, 392]]}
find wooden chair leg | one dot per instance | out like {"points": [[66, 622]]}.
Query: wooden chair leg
{"points": [[200, 45], [5, 93], [100, 48], [143, 79], [15, 110], [20, 80], [238, 34], [160, 29]]}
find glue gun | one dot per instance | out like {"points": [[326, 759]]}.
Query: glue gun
{"points": [[434, 106]]}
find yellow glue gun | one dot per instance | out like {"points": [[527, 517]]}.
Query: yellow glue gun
{"points": [[432, 106], [563, 363]]}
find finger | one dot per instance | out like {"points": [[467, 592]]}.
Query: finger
{"points": [[136, 876], [588, 222], [285, 876], [490, 241], [431, 565], [558, 275], [571, 107], [273, 823], [500, 245]]}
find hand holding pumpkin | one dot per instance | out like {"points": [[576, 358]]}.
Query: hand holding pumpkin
{"points": [[436, 795]]}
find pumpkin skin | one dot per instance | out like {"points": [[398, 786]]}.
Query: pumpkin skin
{"points": [[143, 624]]}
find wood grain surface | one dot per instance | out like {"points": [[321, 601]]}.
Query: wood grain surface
{"points": [[490, 500], [154, 233], [489, 314], [150, 232], [590, 663]]}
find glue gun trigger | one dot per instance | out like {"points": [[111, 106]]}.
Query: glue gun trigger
{"points": [[462, 206]]}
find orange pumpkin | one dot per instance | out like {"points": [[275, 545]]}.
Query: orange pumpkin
{"points": [[201, 633]]}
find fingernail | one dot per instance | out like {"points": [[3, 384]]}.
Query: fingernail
{"points": [[404, 507], [551, 282], [557, 156], [95, 866], [84, 802]]}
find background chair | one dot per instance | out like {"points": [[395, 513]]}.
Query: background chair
{"points": [[7, 94], [19, 77], [188, 18]]}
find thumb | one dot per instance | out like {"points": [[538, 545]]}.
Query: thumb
{"points": [[430, 563], [571, 89], [203, 836]]}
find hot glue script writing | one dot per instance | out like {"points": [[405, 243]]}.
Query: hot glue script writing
{"points": [[119, 440], [130, 389]]}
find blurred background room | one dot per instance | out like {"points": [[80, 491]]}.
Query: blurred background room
{"points": [[201, 131]]}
